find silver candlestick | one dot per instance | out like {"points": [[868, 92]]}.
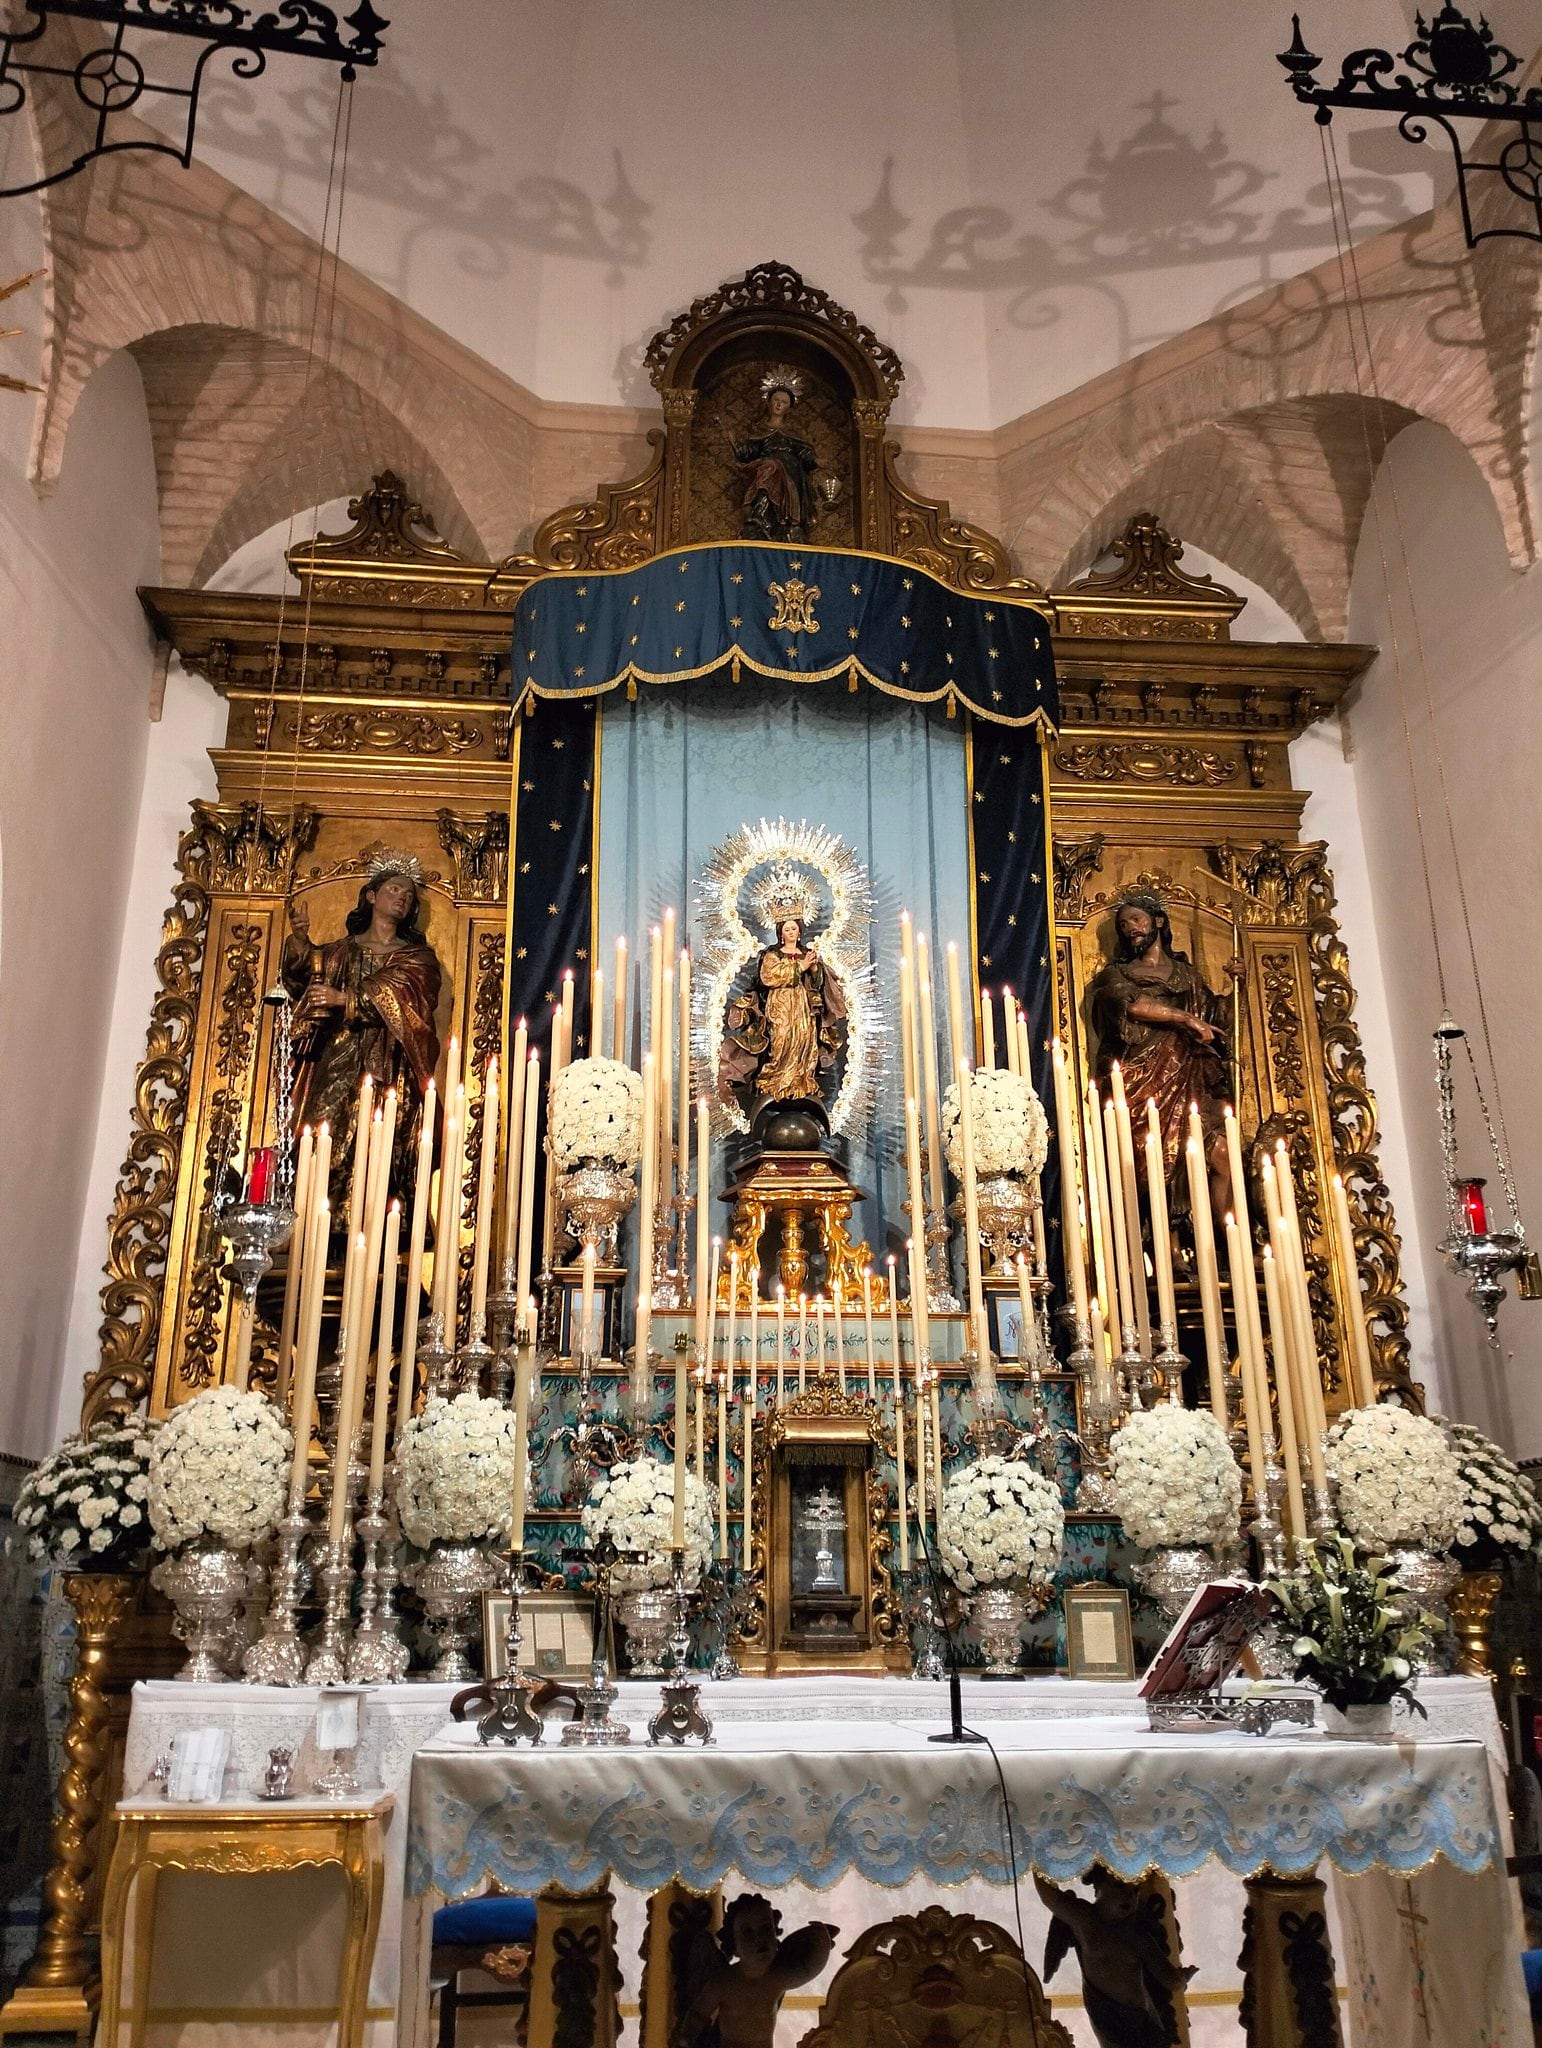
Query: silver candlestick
{"points": [[377, 1654], [329, 1660], [940, 1297], [1168, 1365], [1134, 1367], [1323, 1510], [1094, 1490], [594, 1729], [278, 1656], [436, 1359], [680, 1714], [476, 1355]]}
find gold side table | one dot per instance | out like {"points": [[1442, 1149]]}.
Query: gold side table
{"points": [[241, 1837]]}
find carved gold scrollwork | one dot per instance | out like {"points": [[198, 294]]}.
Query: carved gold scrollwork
{"points": [[385, 732], [1076, 862], [247, 848], [1146, 761], [1352, 1123], [140, 1224], [897, 1976], [479, 847]]}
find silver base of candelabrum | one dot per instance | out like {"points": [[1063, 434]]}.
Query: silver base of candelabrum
{"points": [[1322, 1508], [436, 1359], [1134, 1368], [511, 1717], [680, 1716], [377, 1655], [1094, 1489], [329, 1660], [1167, 1367], [940, 1297], [1268, 1521], [670, 1290], [474, 1366], [278, 1656], [923, 1624]]}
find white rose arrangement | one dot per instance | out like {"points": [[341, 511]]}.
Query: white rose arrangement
{"points": [[1001, 1521], [218, 1467], [455, 1471], [1011, 1132], [1501, 1517], [1174, 1477], [596, 1115], [634, 1504], [1398, 1479], [85, 1509]]}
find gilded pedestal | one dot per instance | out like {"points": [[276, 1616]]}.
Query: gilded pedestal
{"points": [[1288, 1997]]}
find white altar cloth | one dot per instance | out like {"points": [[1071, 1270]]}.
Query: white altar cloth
{"points": [[273, 1962]]}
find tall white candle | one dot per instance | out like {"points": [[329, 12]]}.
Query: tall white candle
{"points": [[313, 1286], [1130, 1192], [619, 1047], [304, 1159], [918, 1351], [380, 1421], [529, 1146], [649, 1192], [1208, 1277], [583, 1338], [354, 1349], [1284, 1394], [1360, 1382], [987, 1031], [781, 1344], [683, 1140], [413, 1300], [980, 1329], [514, 1134], [802, 1343], [1073, 1250], [1161, 1230], [867, 1318], [927, 1032], [524, 1362], [722, 1462], [1255, 1390], [703, 1218], [747, 1410], [486, 1177], [956, 1047], [840, 1336], [1011, 1036]]}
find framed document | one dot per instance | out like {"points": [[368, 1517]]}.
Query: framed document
{"points": [[558, 1631], [1098, 1642], [1004, 1311]]}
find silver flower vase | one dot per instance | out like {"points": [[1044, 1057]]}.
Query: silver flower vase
{"points": [[999, 1612], [1425, 1580], [1173, 1573], [450, 1582], [648, 1616], [595, 1198], [1004, 1205], [206, 1582]]}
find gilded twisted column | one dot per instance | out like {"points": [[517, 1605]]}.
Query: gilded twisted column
{"points": [[101, 1600]]}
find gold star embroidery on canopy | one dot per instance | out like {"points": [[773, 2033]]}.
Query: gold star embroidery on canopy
{"points": [[852, 633], [1035, 878], [578, 672], [530, 656], [948, 659], [906, 582], [904, 668], [521, 952], [795, 565], [679, 652], [979, 796], [793, 650], [736, 624], [1005, 760], [585, 868], [993, 654], [633, 641], [1034, 798], [557, 745], [1011, 839], [527, 786], [736, 579], [1012, 920], [995, 696], [683, 567], [637, 600], [680, 607], [551, 910], [905, 622], [524, 867], [582, 952], [856, 590], [950, 621], [554, 824], [985, 959], [580, 627], [583, 590], [586, 785], [990, 618], [984, 877]]}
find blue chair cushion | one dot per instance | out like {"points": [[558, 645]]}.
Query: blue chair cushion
{"points": [[1531, 1963], [495, 1919]]}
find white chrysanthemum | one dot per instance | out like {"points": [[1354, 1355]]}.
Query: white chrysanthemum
{"points": [[1174, 1477], [1000, 1521], [81, 1491], [596, 1115], [1398, 1479], [634, 1504], [1011, 1132], [455, 1471], [217, 1468], [1501, 1511]]}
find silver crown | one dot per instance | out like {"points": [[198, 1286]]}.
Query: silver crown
{"points": [[391, 860], [781, 377], [785, 891]]}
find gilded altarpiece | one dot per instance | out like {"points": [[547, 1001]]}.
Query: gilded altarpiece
{"points": [[377, 711]]}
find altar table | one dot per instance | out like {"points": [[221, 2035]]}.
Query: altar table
{"points": [[1424, 1926]]}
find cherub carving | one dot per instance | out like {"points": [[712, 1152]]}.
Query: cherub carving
{"points": [[741, 1977], [1128, 1977]]}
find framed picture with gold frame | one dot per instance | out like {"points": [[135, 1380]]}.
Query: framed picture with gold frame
{"points": [[1098, 1638], [558, 1631]]}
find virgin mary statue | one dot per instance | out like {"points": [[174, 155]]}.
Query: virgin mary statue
{"points": [[785, 1034]]}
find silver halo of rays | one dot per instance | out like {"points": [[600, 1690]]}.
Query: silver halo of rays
{"points": [[823, 869]]}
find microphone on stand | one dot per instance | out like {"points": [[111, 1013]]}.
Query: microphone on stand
{"points": [[956, 1731]]}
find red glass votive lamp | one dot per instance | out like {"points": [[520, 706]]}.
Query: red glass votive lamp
{"points": [[1474, 1208], [259, 1174]]}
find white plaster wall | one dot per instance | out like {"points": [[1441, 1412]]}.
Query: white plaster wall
{"points": [[1015, 197], [1480, 625], [177, 770], [75, 668]]}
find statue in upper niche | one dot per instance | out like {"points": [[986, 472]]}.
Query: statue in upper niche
{"points": [[778, 468]]}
